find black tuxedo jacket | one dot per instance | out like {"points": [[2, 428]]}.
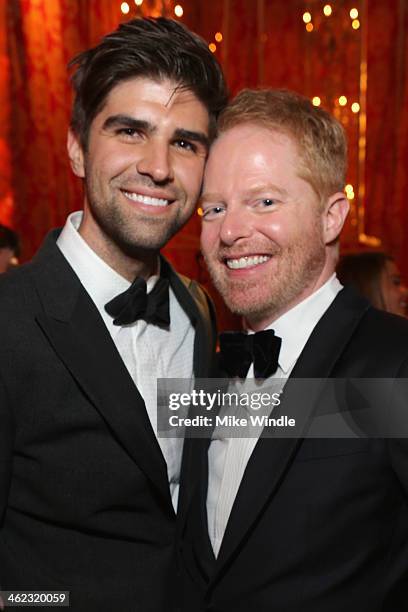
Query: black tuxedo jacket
{"points": [[318, 525], [84, 495]]}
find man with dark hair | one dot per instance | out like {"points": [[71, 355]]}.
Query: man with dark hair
{"points": [[87, 492], [296, 522], [9, 248]]}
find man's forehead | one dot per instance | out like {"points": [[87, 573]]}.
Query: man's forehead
{"points": [[164, 91]]}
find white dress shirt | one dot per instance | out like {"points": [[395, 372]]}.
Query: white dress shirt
{"points": [[228, 457], [149, 352]]}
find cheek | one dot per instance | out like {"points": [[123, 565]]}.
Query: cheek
{"points": [[209, 237], [190, 176], [109, 161], [277, 228]]}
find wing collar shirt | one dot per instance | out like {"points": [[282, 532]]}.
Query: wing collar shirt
{"points": [[228, 457], [148, 352]]}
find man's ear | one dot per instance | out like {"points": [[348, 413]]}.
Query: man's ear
{"points": [[335, 213], [76, 154]]}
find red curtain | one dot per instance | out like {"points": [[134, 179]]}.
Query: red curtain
{"points": [[265, 43]]}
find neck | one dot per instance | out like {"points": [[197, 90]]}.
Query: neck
{"points": [[141, 262]]}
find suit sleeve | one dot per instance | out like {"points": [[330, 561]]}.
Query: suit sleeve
{"points": [[6, 444]]}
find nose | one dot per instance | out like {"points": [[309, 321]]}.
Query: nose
{"points": [[155, 162], [236, 225]]}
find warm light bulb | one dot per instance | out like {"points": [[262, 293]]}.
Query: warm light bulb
{"points": [[200, 212], [309, 27], [350, 195], [307, 18], [354, 13], [212, 47], [218, 37], [316, 101], [327, 10], [355, 24], [355, 107], [349, 188], [178, 10], [138, 2], [125, 8], [342, 100]]}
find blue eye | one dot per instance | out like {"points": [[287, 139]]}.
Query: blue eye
{"points": [[213, 212]]}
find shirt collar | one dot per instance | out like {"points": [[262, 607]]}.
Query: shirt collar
{"points": [[101, 281], [296, 325]]}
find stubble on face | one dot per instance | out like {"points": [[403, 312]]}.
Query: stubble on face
{"points": [[132, 232], [291, 270]]}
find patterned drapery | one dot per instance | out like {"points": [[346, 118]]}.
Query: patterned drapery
{"points": [[265, 43]]}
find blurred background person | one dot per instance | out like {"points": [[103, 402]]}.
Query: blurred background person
{"points": [[376, 276], [9, 248]]}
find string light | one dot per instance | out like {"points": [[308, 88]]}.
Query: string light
{"points": [[138, 2], [309, 27], [307, 18], [327, 10], [349, 189], [200, 212], [125, 8], [218, 37], [178, 10], [212, 47], [355, 24], [354, 13], [355, 107], [342, 100], [316, 101]]}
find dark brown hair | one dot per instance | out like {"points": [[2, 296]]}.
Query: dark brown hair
{"points": [[363, 272], [153, 48], [9, 240]]}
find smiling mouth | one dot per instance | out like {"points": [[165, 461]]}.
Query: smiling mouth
{"points": [[146, 200], [248, 261]]}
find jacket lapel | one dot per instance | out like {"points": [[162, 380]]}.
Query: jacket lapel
{"points": [[193, 301], [200, 311], [271, 457], [75, 329]]}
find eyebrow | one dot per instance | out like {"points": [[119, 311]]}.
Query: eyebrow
{"points": [[126, 121], [115, 121], [217, 197]]}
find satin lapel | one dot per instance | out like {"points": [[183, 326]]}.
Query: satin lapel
{"points": [[198, 309], [79, 336], [194, 303], [272, 456]]}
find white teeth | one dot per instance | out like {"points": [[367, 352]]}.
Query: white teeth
{"points": [[136, 197], [246, 262]]}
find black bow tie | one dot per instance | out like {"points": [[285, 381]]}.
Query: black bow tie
{"points": [[239, 350], [135, 303]]}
